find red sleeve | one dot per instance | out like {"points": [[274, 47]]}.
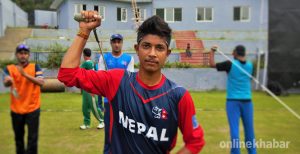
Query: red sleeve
{"points": [[193, 135], [105, 83]]}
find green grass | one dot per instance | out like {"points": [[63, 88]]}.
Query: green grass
{"points": [[61, 116]]}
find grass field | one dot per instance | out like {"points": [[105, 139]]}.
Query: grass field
{"points": [[61, 117]]}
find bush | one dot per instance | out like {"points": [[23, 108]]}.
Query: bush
{"points": [[182, 65], [54, 60], [55, 56], [56, 47], [137, 65], [176, 65], [42, 64], [4, 63]]}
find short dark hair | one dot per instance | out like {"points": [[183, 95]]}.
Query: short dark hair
{"points": [[156, 26], [87, 52], [240, 50]]}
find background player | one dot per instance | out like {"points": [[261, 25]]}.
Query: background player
{"points": [[25, 80], [238, 103], [89, 101]]}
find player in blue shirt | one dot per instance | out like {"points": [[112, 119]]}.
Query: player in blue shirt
{"points": [[239, 97], [114, 59]]}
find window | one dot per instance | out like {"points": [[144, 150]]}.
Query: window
{"points": [[241, 13], [204, 14], [122, 14], [160, 13], [79, 8], [142, 13], [177, 14], [100, 10], [170, 14]]}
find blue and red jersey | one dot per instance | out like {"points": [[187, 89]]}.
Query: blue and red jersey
{"points": [[143, 119]]}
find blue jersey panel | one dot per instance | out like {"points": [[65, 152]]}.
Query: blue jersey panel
{"points": [[117, 62], [238, 83]]}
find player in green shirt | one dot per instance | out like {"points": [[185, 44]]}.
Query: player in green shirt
{"points": [[89, 101]]}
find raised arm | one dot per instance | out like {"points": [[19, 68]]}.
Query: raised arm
{"points": [[101, 82], [212, 63], [72, 57]]}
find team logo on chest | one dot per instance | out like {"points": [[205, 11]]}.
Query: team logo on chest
{"points": [[110, 62], [124, 63], [159, 113]]}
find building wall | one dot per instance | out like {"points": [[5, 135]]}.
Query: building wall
{"points": [[11, 15], [43, 17], [110, 22], [222, 14], [20, 17], [63, 16]]}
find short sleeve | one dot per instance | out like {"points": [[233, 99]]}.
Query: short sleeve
{"points": [[224, 66], [38, 71]]}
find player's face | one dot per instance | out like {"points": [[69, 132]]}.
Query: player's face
{"points": [[116, 45], [152, 51], [22, 56]]}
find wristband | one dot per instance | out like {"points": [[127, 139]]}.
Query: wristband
{"points": [[82, 34]]}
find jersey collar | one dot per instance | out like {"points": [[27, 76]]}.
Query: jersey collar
{"points": [[161, 82]]}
